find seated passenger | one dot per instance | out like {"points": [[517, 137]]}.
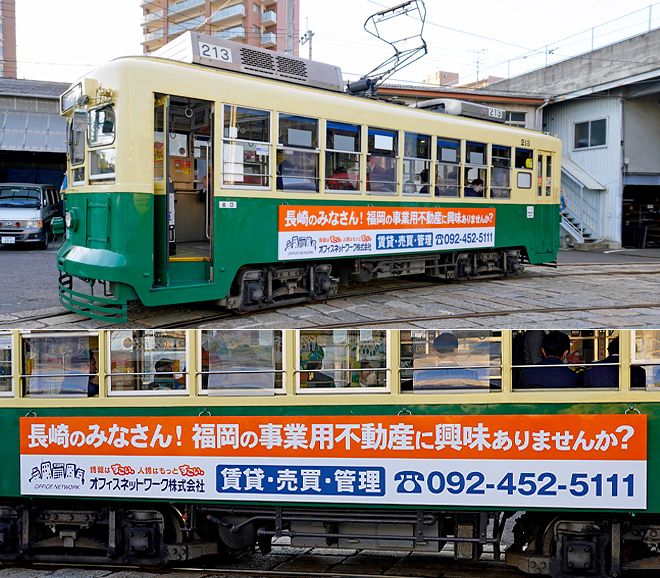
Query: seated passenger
{"points": [[476, 189], [608, 375], [368, 377], [82, 384], [447, 374], [314, 377], [551, 371], [424, 179], [164, 378]]}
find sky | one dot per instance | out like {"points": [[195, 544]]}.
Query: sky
{"points": [[61, 40]]}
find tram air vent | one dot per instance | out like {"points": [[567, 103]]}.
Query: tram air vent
{"points": [[214, 52], [257, 61]]}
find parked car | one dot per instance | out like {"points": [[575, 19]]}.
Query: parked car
{"points": [[26, 212]]}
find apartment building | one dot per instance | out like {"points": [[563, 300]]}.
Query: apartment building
{"points": [[8, 38], [260, 23]]}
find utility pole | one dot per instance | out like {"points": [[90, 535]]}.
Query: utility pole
{"points": [[307, 38], [289, 26], [478, 53]]}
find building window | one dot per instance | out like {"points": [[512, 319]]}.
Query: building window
{"points": [[256, 30], [590, 134], [515, 119], [256, 8]]}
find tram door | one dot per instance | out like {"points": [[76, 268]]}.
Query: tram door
{"points": [[183, 190], [545, 199]]}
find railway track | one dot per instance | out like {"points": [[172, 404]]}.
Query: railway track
{"points": [[198, 318]]}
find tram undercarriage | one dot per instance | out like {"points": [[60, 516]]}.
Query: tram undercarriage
{"points": [[579, 545], [273, 285]]}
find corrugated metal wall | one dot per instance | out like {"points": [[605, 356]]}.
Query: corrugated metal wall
{"points": [[604, 163]]}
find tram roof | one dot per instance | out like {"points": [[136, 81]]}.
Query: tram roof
{"points": [[210, 51]]}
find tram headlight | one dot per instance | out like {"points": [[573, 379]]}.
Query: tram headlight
{"points": [[71, 219]]}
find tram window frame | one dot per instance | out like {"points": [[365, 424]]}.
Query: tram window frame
{"points": [[416, 160], [233, 386], [586, 350], [259, 139], [367, 344], [443, 182], [431, 346], [298, 149], [524, 159], [480, 168], [336, 156], [7, 361], [78, 139], [93, 124], [155, 355], [500, 172], [81, 381], [548, 175], [649, 363], [96, 161], [375, 137]]}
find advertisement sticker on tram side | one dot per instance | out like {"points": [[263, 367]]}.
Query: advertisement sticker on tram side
{"points": [[317, 231], [556, 461]]}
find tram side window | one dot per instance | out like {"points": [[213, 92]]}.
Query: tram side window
{"points": [[548, 176], [645, 368], [341, 359], [500, 172], [476, 161], [298, 153], [60, 364], [447, 167], [382, 147], [241, 362], [77, 130], [416, 164], [147, 361], [246, 147], [565, 359], [343, 145], [524, 159], [5, 362], [457, 361]]}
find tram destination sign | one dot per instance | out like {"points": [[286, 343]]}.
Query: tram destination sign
{"points": [[562, 461], [317, 231]]}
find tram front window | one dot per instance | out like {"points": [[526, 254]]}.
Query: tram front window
{"points": [[341, 359], [241, 362], [60, 364], [445, 361]]}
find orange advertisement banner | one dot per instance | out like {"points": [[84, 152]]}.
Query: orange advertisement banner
{"points": [[428, 437], [315, 218]]}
